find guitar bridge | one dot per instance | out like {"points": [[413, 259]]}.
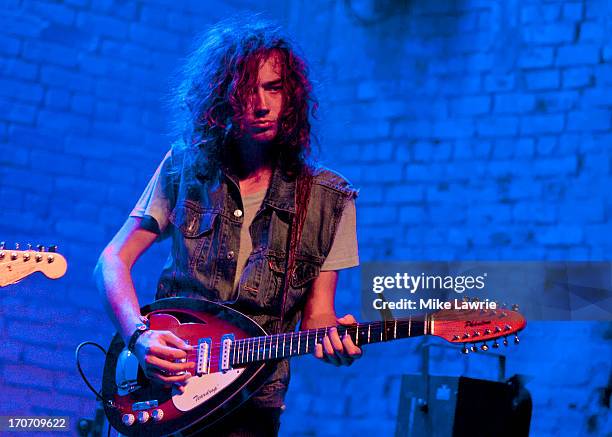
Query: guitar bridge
{"points": [[227, 340]]}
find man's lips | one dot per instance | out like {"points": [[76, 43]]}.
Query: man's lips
{"points": [[262, 124]]}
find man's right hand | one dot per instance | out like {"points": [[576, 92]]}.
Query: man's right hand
{"points": [[157, 353]]}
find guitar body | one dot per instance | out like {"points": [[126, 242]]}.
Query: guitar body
{"points": [[140, 408]]}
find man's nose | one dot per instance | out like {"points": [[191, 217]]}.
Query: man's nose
{"points": [[261, 105]]}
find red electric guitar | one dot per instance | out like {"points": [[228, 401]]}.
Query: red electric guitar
{"points": [[16, 264], [234, 356]]}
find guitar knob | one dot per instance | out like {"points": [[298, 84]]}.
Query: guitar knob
{"points": [[516, 339], [143, 416], [157, 414], [474, 348], [484, 347], [465, 350], [128, 419]]}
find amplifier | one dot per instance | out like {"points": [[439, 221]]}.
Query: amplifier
{"points": [[444, 406]]}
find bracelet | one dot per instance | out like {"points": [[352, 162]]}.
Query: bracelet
{"points": [[141, 328]]}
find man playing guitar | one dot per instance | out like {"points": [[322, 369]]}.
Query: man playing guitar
{"points": [[226, 195]]}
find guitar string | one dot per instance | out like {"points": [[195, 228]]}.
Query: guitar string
{"points": [[351, 328], [256, 351], [267, 342]]}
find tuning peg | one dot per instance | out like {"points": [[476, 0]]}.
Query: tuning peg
{"points": [[505, 341], [40, 247], [516, 339], [456, 337], [515, 307], [484, 347], [16, 246], [487, 331], [495, 344], [465, 350], [52, 248], [2, 244], [29, 246], [474, 348]]}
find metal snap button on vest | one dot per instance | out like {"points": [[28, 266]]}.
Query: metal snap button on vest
{"points": [[238, 213], [230, 254]]}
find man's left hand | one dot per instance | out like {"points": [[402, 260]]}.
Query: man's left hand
{"points": [[335, 350]]}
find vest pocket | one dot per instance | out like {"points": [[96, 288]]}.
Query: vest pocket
{"points": [[304, 272], [192, 222]]}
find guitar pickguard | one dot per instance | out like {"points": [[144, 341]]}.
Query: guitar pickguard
{"points": [[201, 388]]}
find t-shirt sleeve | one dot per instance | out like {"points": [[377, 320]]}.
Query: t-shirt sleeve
{"points": [[344, 252], [155, 203]]}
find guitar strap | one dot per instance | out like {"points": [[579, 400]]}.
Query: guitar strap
{"points": [[302, 196]]}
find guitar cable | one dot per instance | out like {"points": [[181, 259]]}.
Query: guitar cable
{"points": [[78, 364], [77, 357]]}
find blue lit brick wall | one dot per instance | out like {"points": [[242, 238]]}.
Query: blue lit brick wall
{"points": [[475, 130]]}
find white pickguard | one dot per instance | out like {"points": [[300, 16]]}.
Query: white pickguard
{"points": [[201, 388]]}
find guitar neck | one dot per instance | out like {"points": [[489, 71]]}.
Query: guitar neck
{"points": [[289, 344]]}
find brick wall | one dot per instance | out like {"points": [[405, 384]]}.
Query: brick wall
{"points": [[475, 130]]}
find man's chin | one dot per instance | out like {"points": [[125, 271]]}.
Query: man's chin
{"points": [[263, 137]]}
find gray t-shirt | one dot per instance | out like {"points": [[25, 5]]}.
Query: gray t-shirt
{"points": [[154, 203]]}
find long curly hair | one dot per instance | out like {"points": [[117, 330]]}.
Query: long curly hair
{"points": [[213, 88]]}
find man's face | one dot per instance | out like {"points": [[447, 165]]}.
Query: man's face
{"points": [[265, 102]]}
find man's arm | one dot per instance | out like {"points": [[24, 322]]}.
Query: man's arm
{"points": [[155, 350], [319, 312]]}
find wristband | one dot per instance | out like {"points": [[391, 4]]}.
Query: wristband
{"points": [[141, 328]]}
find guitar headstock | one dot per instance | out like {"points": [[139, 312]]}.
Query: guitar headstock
{"points": [[463, 324], [16, 264]]}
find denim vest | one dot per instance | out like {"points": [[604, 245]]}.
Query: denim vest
{"points": [[206, 223]]}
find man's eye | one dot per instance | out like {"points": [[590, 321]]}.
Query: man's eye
{"points": [[275, 88]]}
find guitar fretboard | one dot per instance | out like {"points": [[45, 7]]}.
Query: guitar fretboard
{"points": [[271, 347]]}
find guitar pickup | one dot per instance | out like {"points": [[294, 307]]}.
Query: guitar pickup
{"points": [[203, 356], [227, 341]]}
